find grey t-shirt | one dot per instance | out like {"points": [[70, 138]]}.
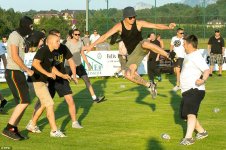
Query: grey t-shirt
{"points": [[75, 50], [15, 39]]}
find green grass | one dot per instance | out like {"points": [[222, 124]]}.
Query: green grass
{"points": [[129, 119]]}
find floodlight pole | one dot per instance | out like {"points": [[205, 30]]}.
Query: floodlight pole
{"points": [[87, 15], [204, 19], [107, 13], [155, 14]]}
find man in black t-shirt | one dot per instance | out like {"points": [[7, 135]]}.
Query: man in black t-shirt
{"points": [[60, 85], [152, 62], [43, 66], [216, 51]]}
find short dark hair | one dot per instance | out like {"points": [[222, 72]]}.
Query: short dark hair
{"points": [[150, 34], [54, 31], [178, 29], [192, 39]]}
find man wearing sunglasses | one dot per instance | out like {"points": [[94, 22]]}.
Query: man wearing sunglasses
{"points": [[176, 46], [130, 31]]}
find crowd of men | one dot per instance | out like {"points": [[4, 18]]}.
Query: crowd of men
{"points": [[56, 64]]}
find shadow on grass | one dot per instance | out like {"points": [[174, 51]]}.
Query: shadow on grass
{"points": [[142, 93], [82, 100], [175, 104], [154, 144], [6, 92]]}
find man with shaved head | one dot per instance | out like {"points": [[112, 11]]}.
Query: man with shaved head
{"points": [[43, 68]]}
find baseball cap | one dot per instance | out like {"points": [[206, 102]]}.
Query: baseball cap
{"points": [[128, 12], [217, 30]]}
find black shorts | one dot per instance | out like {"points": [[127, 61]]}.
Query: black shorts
{"points": [[80, 70], [190, 103], [17, 83], [61, 86], [178, 63]]}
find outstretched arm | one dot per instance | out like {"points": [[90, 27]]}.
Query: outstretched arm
{"points": [[109, 33], [145, 24]]}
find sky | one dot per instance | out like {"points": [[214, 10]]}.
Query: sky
{"points": [[26, 5]]}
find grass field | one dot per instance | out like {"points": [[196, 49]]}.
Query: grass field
{"points": [[129, 119]]}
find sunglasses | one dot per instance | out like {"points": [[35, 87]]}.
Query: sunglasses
{"points": [[77, 34], [181, 33], [133, 17]]}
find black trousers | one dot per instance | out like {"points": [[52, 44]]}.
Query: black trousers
{"points": [[153, 69]]}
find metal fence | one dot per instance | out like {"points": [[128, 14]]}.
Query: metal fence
{"points": [[202, 26]]}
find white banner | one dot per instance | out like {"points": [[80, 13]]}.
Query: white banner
{"points": [[105, 63]]}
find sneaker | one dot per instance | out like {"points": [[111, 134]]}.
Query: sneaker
{"points": [[152, 89], [22, 136], [202, 135], [220, 75], [76, 125], [3, 104], [187, 141], [11, 133], [210, 75], [31, 128], [176, 88], [57, 133], [116, 75], [99, 99]]}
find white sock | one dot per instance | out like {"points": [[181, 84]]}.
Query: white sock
{"points": [[94, 97]]}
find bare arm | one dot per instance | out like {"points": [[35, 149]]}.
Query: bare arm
{"points": [[145, 24], [73, 69], [85, 59], [204, 78], [16, 58], [209, 48], [37, 65], [116, 28], [59, 74]]}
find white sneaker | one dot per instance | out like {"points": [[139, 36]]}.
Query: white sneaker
{"points": [[176, 88], [57, 133], [76, 125], [32, 128], [152, 89]]}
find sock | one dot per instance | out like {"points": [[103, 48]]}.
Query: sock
{"points": [[94, 97], [9, 126]]}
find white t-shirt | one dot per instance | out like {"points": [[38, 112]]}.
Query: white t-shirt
{"points": [[93, 38], [178, 46], [193, 67]]}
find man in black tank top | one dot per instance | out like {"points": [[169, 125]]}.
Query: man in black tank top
{"points": [[130, 31]]}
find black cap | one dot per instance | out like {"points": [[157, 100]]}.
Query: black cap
{"points": [[217, 30], [128, 12]]}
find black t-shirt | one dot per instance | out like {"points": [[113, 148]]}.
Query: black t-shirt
{"points": [[60, 56], [153, 55], [47, 62], [216, 45], [131, 38]]}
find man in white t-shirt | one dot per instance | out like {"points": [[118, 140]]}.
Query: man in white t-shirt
{"points": [[176, 45], [94, 37], [194, 74]]}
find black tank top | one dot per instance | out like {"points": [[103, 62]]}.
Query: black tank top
{"points": [[131, 38]]}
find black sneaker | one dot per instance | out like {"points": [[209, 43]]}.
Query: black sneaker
{"points": [[3, 104], [210, 75], [11, 133], [219, 75], [21, 136], [99, 99]]}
